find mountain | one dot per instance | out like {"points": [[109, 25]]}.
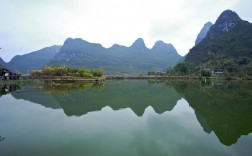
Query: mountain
{"points": [[228, 44], [203, 32], [117, 59], [2, 63], [33, 60], [139, 45]]}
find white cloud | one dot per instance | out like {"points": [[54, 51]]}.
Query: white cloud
{"points": [[29, 25]]}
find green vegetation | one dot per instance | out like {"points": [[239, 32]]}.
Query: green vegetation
{"points": [[185, 68], [206, 73], [227, 67], [240, 68], [55, 71], [182, 68], [151, 73]]}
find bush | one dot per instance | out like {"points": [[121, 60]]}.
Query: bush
{"points": [[66, 71], [98, 73], [151, 73], [89, 75], [182, 68], [206, 73]]}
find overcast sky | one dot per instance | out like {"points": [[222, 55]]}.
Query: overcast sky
{"points": [[29, 25]]}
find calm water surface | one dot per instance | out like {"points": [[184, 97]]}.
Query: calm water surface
{"points": [[127, 118]]}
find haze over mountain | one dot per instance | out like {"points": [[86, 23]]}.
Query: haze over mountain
{"points": [[34, 60], [230, 38], [117, 59], [203, 32]]}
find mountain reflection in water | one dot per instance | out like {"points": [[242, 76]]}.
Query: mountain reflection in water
{"points": [[224, 108]]}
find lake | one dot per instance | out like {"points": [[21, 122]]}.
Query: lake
{"points": [[126, 118]]}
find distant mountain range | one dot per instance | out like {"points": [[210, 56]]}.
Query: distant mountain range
{"points": [[136, 59], [227, 44], [117, 59]]}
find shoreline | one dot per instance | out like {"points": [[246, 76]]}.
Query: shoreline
{"points": [[183, 78], [57, 80], [104, 78]]}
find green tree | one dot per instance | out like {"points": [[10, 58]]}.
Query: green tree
{"points": [[182, 68], [206, 73], [151, 73], [98, 72]]}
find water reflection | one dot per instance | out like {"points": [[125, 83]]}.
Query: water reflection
{"points": [[1, 138], [224, 108], [7, 88], [79, 99]]}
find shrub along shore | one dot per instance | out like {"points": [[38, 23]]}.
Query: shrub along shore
{"points": [[68, 74]]}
